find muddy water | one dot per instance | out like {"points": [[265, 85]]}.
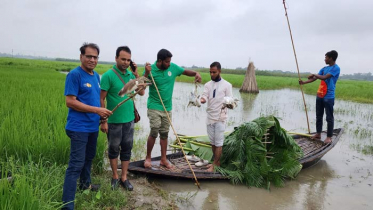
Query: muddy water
{"points": [[341, 180]]}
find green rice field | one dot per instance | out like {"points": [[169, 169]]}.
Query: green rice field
{"points": [[34, 149], [357, 91]]}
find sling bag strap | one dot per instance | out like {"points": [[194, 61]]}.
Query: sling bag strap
{"points": [[121, 79], [137, 115]]}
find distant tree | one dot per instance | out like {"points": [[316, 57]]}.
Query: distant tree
{"points": [[358, 76]]}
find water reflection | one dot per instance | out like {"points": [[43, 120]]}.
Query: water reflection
{"points": [[247, 101], [316, 181], [308, 191], [339, 181]]}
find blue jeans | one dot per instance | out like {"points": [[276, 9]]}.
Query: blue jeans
{"points": [[82, 152], [327, 105]]}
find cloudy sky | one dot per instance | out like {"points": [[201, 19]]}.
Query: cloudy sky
{"points": [[197, 32]]}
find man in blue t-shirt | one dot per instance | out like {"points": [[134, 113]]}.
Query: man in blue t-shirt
{"points": [[82, 91], [325, 94]]}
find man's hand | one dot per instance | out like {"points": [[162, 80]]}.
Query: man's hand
{"points": [[103, 112], [203, 100], [148, 68], [104, 127], [136, 73], [142, 86], [198, 78], [312, 76]]}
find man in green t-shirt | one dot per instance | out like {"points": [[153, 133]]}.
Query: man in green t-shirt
{"points": [[164, 73], [120, 126]]}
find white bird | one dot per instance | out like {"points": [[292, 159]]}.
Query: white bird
{"points": [[230, 103], [194, 98]]}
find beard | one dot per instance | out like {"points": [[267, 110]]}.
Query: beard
{"points": [[163, 67], [217, 77]]}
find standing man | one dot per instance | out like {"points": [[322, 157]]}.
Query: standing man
{"points": [[164, 73], [82, 91], [120, 126], [214, 93], [325, 94]]}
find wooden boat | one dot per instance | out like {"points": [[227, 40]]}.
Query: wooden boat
{"points": [[313, 151]]}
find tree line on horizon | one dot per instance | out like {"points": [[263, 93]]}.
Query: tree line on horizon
{"points": [[239, 70]]}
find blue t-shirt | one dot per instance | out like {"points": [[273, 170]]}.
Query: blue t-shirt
{"points": [[86, 88], [327, 87]]}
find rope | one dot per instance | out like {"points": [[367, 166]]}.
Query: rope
{"points": [[296, 61], [177, 136]]}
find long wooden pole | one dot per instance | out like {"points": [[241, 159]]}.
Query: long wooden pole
{"points": [[296, 61], [177, 136], [122, 102]]}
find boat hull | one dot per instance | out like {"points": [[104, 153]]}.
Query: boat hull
{"points": [[313, 151]]}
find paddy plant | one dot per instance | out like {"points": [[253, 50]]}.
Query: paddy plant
{"points": [[33, 113], [39, 186], [138, 149], [32, 186], [358, 91]]}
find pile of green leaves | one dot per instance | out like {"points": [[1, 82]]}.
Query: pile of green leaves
{"points": [[252, 158], [200, 150], [195, 145]]}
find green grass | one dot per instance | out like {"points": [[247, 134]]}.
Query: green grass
{"points": [[35, 148], [33, 113], [358, 91], [39, 186]]}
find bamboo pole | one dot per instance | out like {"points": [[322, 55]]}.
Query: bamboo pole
{"points": [[300, 134], [178, 147], [177, 136], [133, 95], [195, 137], [296, 61]]}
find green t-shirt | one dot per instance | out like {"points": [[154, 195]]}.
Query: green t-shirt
{"points": [[111, 83], [165, 81]]}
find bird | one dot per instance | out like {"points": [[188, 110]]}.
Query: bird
{"points": [[194, 98], [230, 103], [132, 85]]}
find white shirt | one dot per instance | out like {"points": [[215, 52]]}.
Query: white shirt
{"points": [[215, 113]]}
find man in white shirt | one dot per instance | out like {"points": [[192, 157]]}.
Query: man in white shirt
{"points": [[214, 93]]}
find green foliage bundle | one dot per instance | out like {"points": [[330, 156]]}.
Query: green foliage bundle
{"points": [[259, 153]]}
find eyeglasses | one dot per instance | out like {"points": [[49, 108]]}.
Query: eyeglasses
{"points": [[89, 57]]}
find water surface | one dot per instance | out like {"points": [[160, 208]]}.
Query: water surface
{"points": [[341, 180]]}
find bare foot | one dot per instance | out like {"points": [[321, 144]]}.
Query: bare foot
{"points": [[328, 140], [211, 169], [316, 136], [148, 163], [166, 164]]}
